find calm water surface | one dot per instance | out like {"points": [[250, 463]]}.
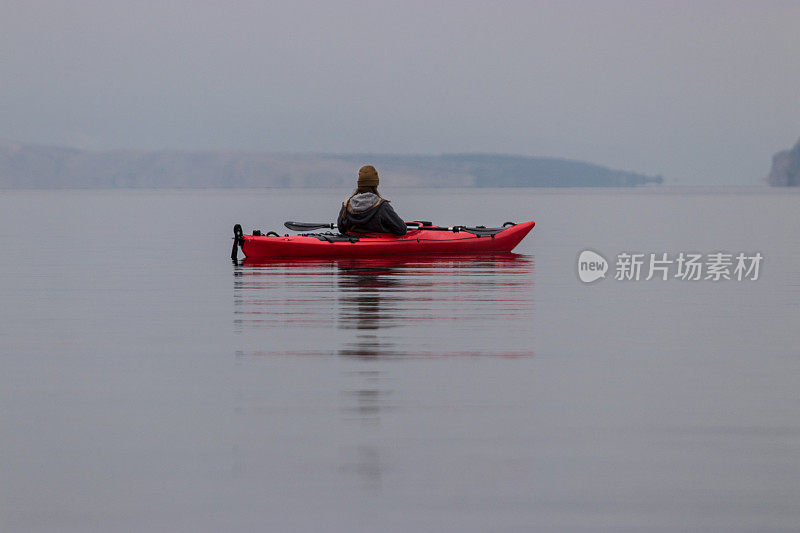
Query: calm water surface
{"points": [[149, 384]]}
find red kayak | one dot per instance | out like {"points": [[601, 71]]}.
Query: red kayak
{"points": [[422, 239]]}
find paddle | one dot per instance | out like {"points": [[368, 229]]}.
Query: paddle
{"points": [[309, 226]]}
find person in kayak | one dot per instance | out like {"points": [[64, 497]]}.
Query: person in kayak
{"points": [[366, 211]]}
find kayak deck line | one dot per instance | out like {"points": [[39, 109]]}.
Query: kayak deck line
{"points": [[420, 239]]}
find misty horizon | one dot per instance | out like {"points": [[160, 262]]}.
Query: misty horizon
{"points": [[24, 166], [700, 93]]}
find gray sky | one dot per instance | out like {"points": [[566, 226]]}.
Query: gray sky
{"points": [[702, 92]]}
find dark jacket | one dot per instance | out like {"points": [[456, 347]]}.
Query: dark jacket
{"points": [[369, 213]]}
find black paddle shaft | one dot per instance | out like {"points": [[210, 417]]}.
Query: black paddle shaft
{"points": [[310, 226]]}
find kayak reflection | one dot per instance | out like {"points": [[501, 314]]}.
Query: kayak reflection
{"points": [[387, 307], [368, 312], [368, 302]]}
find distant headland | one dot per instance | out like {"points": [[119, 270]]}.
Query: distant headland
{"points": [[28, 166], [786, 168]]}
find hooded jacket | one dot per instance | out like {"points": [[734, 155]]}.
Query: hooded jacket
{"points": [[369, 213]]}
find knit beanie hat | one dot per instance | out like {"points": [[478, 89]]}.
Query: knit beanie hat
{"points": [[368, 176]]}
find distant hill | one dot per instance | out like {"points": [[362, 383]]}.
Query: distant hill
{"points": [[786, 168], [24, 166]]}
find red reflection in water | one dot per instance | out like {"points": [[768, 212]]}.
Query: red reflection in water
{"points": [[395, 261], [371, 297], [369, 353]]}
